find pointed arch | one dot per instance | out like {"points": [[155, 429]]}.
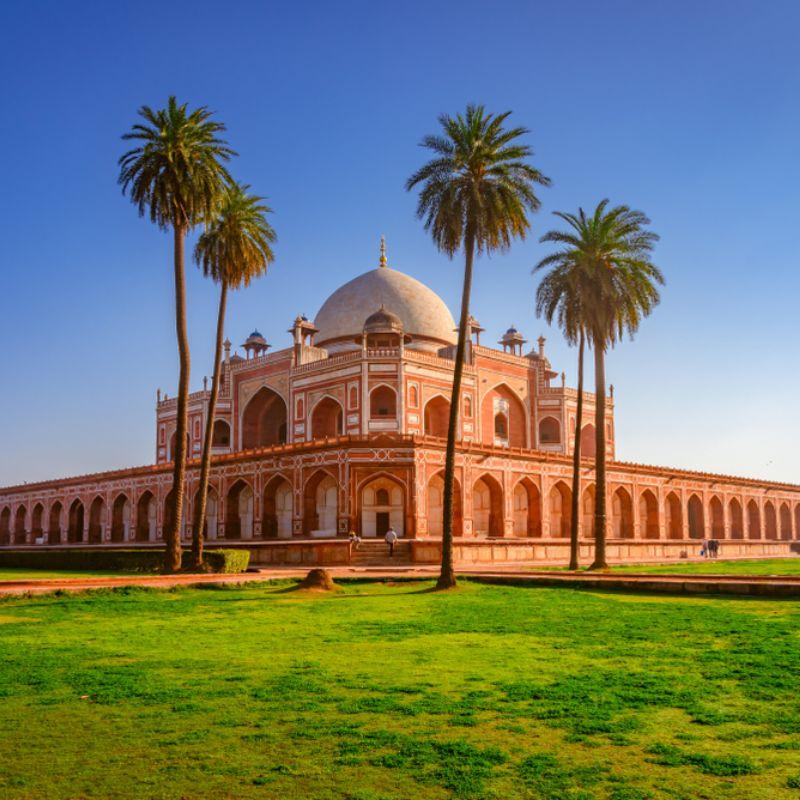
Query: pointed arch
{"points": [[770, 521], [277, 508], [559, 504], [549, 430], [54, 526], [320, 504], [587, 511], [75, 522], [5, 525], [527, 506], [264, 420], [382, 402], [673, 516], [239, 511], [221, 434], [648, 515], [753, 520], [173, 442], [622, 513], [717, 518], [786, 521], [797, 521], [436, 416], [436, 506], [121, 518], [588, 442], [736, 519], [96, 523], [327, 418], [501, 400], [146, 515], [382, 503], [20, 534], [694, 512], [37, 522], [487, 506]]}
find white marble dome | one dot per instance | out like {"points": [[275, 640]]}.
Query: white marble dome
{"points": [[423, 313]]}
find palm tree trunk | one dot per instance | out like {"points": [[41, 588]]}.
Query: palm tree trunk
{"points": [[447, 576], [172, 534], [576, 465], [600, 457], [205, 466]]}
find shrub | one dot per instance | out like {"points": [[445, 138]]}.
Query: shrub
{"points": [[223, 561]]}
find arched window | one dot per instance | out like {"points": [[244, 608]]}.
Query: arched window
{"points": [[382, 497], [221, 436], [467, 405], [413, 396], [264, 420], [382, 402], [353, 400], [549, 431], [500, 426]]}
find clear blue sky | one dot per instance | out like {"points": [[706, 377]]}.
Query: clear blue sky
{"points": [[689, 111]]}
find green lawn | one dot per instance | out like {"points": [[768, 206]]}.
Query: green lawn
{"points": [[713, 566], [392, 691], [24, 574]]}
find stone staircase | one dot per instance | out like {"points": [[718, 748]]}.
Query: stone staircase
{"points": [[375, 553]]}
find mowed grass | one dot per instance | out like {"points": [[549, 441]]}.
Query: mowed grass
{"points": [[393, 691], [716, 566], [24, 574]]}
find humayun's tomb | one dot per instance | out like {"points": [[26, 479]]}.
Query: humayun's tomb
{"points": [[345, 430]]}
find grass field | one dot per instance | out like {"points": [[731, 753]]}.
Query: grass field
{"points": [[714, 566], [392, 691], [22, 574]]}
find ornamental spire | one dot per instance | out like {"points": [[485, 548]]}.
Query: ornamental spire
{"points": [[382, 261]]}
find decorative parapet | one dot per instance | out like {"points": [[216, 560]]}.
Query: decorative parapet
{"points": [[258, 361]]}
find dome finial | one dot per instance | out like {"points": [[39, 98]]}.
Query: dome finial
{"points": [[382, 262]]}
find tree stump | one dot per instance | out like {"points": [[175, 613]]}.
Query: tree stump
{"points": [[319, 580]]}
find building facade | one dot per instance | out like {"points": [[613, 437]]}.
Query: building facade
{"points": [[345, 430]]}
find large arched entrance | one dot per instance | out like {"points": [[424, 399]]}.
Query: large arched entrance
{"points": [[320, 505], [221, 434], [264, 420], [487, 507], [527, 509], [54, 524], [327, 419], [587, 511], [673, 516], [121, 519], [737, 522], [277, 508], [648, 515], [697, 527], [382, 506], [75, 522], [96, 525], [588, 442], [560, 510], [770, 521], [436, 507], [239, 511], [146, 518], [549, 431], [503, 418], [622, 514], [437, 417], [211, 524], [37, 523], [753, 521], [786, 522]]}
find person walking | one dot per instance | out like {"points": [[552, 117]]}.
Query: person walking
{"points": [[391, 538]]}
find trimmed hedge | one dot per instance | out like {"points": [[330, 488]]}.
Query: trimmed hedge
{"points": [[223, 561]]}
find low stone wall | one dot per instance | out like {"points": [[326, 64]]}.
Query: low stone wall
{"points": [[619, 551]]}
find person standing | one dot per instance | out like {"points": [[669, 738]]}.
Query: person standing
{"points": [[391, 538]]}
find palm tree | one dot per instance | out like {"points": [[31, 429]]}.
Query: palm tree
{"points": [[610, 252], [475, 193], [176, 176], [234, 249], [559, 296]]}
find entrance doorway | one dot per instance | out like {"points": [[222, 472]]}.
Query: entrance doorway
{"points": [[381, 523]]}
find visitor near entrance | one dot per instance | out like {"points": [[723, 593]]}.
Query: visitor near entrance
{"points": [[391, 538]]}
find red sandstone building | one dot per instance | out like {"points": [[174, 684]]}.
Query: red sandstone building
{"points": [[345, 430]]}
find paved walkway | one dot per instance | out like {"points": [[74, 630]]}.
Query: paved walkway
{"points": [[517, 574]]}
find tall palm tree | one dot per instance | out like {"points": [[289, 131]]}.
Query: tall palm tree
{"points": [[235, 248], [175, 175], [611, 251], [475, 193], [559, 296]]}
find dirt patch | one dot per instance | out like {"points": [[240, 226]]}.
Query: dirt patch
{"points": [[318, 580]]}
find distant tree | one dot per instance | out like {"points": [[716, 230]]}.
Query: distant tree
{"points": [[610, 254], [560, 297], [175, 175], [235, 248], [475, 193]]}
